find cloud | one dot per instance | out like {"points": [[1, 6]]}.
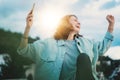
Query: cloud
{"points": [[49, 7], [15, 22], [113, 52], [91, 17], [58, 3], [93, 9], [8, 8], [108, 5], [13, 13]]}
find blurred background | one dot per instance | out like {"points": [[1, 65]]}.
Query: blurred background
{"points": [[47, 13]]}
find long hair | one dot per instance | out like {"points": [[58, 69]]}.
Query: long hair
{"points": [[64, 28]]}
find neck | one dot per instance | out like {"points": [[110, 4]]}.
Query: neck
{"points": [[71, 36]]}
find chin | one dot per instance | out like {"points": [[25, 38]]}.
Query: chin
{"points": [[78, 31]]}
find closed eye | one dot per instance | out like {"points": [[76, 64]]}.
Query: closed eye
{"points": [[75, 20]]}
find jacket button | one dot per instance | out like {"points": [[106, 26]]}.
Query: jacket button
{"points": [[77, 37], [78, 43]]}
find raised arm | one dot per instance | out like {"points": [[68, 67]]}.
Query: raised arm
{"points": [[29, 22], [105, 44], [111, 22]]}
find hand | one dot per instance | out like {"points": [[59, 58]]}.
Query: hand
{"points": [[29, 19], [110, 19]]}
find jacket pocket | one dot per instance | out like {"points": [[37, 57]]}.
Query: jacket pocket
{"points": [[49, 57]]}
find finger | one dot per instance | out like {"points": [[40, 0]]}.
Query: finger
{"points": [[30, 15], [30, 19], [107, 16], [30, 12]]}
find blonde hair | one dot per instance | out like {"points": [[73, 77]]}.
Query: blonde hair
{"points": [[64, 28]]}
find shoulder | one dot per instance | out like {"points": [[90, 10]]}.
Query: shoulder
{"points": [[45, 41], [84, 39]]}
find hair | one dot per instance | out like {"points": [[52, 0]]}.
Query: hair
{"points": [[64, 28]]}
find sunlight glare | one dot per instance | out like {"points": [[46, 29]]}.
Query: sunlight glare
{"points": [[50, 19], [47, 20]]}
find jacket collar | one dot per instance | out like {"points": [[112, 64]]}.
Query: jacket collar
{"points": [[61, 42], [77, 36]]}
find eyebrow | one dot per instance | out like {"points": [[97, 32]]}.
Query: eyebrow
{"points": [[75, 18]]}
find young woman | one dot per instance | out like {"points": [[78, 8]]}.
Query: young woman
{"points": [[68, 55]]}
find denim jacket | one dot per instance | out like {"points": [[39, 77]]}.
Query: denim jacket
{"points": [[48, 54]]}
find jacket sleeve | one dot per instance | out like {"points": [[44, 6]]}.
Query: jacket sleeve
{"points": [[104, 45], [32, 50]]}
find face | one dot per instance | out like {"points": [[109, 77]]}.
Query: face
{"points": [[75, 23]]}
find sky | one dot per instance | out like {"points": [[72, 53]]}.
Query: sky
{"points": [[47, 13]]}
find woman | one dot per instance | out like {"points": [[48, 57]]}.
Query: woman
{"points": [[59, 58]]}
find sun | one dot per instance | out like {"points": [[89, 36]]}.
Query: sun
{"points": [[50, 18], [47, 20]]}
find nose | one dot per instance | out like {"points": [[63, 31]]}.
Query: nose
{"points": [[78, 23]]}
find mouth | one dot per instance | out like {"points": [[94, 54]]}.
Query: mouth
{"points": [[78, 26]]}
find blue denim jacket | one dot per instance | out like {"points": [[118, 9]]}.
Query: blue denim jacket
{"points": [[48, 54]]}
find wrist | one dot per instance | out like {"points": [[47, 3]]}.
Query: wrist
{"points": [[111, 24], [25, 37], [26, 32], [110, 29], [28, 27]]}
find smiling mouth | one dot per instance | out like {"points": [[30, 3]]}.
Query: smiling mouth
{"points": [[78, 26]]}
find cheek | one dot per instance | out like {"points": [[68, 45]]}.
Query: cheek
{"points": [[74, 27], [73, 24]]}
